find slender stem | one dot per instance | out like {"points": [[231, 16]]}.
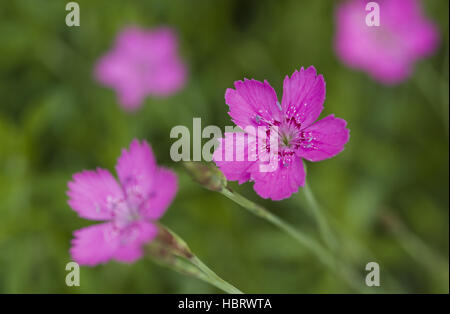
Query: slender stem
{"points": [[214, 279], [323, 254], [427, 83], [261, 212], [363, 254], [189, 268], [324, 227], [417, 248], [170, 250], [326, 230]]}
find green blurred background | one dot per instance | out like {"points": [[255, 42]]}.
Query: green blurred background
{"points": [[386, 195]]}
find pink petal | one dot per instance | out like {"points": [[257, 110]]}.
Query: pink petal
{"points": [[142, 63], [167, 78], [91, 193], [327, 139], [162, 43], [136, 169], [405, 18], [116, 70], [132, 240], [150, 45], [252, 103], [378, 50], [131, 40], [303, 96], [166, 72], [94, 244], [281, 183], [163, 193], [147, 44], [389, 51], [422, 36], [233, 158]]}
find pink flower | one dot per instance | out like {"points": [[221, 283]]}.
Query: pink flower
{"points": [[291, 133], [386, 52], [127, 208], [142, 63]]}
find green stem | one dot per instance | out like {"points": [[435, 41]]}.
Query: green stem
{"points": [[170, 250], [429, 83], [261, 212], [214, 279], [417, 248], [361, 254], [322, 254], [192, 269], [324, 227]]}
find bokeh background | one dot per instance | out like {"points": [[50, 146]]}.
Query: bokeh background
{"points": [[386, 195]]}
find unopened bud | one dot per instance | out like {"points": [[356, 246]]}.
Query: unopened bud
{"points": [[207, 175], [167, 246]]}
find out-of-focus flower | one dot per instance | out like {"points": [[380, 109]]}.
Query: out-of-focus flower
{"points": [[254, 106], [142, 63], [127, 207], [386, 52]]}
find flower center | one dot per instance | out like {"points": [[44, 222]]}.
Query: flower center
{"points": [[126, 211], [286, 139], [288, 132], [290, 138]]}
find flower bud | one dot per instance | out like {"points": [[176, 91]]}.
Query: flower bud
{"points": [[167, 246], [207, 175]]}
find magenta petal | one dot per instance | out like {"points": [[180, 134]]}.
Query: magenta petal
{"points": [[169, 72], [326, 138], [116, 70], [387, 52], [303, 96], [142, 63], [281, 183], [94, 244], [132, 240], [252, 103], [155, 44], [227, 153], [136, 169], [131, 41], [131, 96], [91, 193], [167, 78], [162, 194], [405, 19], [162, 44], [425, 40]]}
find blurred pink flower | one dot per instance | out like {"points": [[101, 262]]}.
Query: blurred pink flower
{"points": [[291, 123], [127, 207], [142, 63], [388, 51]]}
